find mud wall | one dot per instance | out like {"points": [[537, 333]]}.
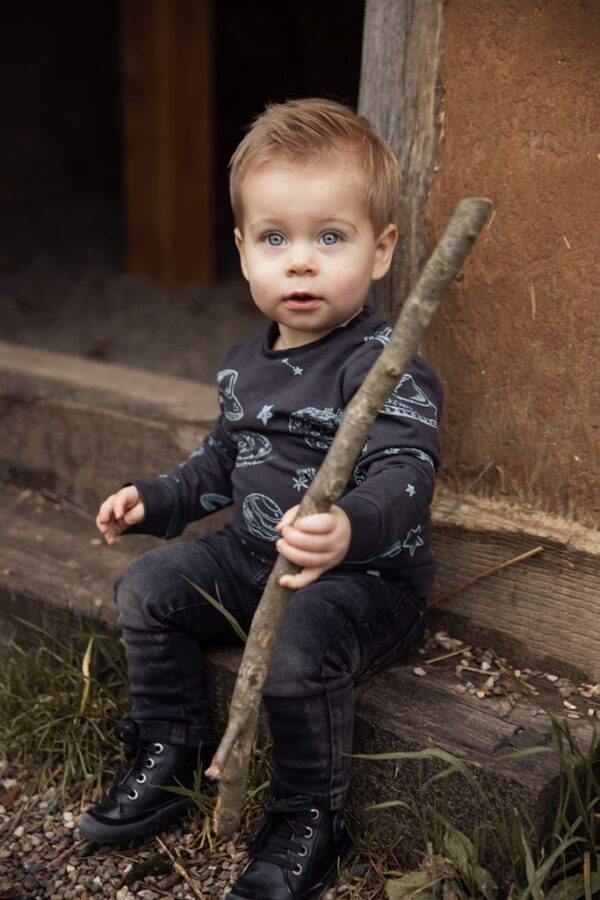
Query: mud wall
{"points": [[517, 342]]}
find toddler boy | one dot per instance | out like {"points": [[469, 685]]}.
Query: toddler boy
{"points": [[314, 190]]}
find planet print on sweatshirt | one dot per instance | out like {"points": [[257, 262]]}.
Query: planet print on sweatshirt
{"points": [[261, 515], [316, 426], [253, 448]]}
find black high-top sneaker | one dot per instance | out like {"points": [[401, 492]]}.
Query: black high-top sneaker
{"points": [[136, 804], [295, 851]]}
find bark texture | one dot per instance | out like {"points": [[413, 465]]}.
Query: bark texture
{"points": [[230, 763], [399, 95]]}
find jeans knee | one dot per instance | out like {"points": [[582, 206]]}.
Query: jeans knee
{"points": [[134, 592]]}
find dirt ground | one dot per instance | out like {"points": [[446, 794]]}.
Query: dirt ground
{"points": [[63, 288]]}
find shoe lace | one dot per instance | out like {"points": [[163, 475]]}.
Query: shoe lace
{"points": [[139, 756], [285, 825]]}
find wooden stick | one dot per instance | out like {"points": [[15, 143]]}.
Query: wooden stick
{"points": [[181, 870], [230, 763], [484, 574]]}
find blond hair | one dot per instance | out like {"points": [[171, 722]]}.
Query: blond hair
{"points": [[313, 132]]}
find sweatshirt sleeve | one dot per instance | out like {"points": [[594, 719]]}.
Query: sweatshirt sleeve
{"points": [[392, 485], [199, 486]]}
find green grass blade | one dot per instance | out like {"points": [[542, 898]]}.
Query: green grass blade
{"points": [[217, 603]]}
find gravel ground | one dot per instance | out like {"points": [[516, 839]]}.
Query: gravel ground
{"points": [[42, 856]]}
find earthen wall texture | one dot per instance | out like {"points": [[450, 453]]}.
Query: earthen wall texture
{"points": [[517, 341]]}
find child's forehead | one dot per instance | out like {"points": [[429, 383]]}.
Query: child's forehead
{"points": [[343, 172], [341, 165]]}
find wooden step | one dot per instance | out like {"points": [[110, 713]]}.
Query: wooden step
{"points": [[51, 559], [81, 428]]}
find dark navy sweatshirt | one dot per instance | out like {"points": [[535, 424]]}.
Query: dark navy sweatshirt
{"points": [[280, 410]]}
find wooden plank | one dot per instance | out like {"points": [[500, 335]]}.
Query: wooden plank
{"points": [[53, 558], [545, 609], [168, 154], [80, 428], [71, 425], [122, 388], [398, 94]]}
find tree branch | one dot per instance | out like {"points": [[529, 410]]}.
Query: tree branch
{"points": [[230, 763]]}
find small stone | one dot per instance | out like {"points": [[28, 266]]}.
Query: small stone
{"points": [[19, 831], [124, 894], [573, 716], [568, 705], [36, 868], [551, 678], [591, 712], [567, 689], [419, 671], [485, 666], [480, 694]]}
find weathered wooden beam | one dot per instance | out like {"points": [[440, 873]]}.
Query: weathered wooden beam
{"points": [[398, 94], [544, 610], [74, 425], [166, 49]]}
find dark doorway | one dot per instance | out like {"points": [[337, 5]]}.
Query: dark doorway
{"points": [[62, 279]]}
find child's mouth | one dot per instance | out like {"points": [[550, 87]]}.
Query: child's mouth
{"points": [[302, 301]]}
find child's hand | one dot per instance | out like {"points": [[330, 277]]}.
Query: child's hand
{"points": [[118, 512], [317, 543]]}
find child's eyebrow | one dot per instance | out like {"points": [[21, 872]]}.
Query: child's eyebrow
{"points": [[319, 224]]}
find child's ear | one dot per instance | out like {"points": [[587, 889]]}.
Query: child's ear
{"points": [[239, 243], [384, 251]]}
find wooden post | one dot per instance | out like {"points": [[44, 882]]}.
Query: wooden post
{"points": [[167, 121], [399, 70]]}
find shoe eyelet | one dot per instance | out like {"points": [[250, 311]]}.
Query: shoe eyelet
{"points": [[158, 748], [133, 795], [315, 813], [150, 763], [141, 778], [308, 832], [302, 852], [297, 870]]}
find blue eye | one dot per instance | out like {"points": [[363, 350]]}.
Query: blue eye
{"points": [[330, 238], [274, 239]]}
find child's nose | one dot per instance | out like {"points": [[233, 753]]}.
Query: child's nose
{"points": [[301, 261]]}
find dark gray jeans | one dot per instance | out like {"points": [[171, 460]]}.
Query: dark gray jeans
{"points": [[337, 631]]}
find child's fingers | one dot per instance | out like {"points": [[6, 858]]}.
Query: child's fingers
{"points": [[306, 558], [317, 542], [105, 511], [135, 515], [287, 518], [316, 523], [300, 579], [125, 499]]}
